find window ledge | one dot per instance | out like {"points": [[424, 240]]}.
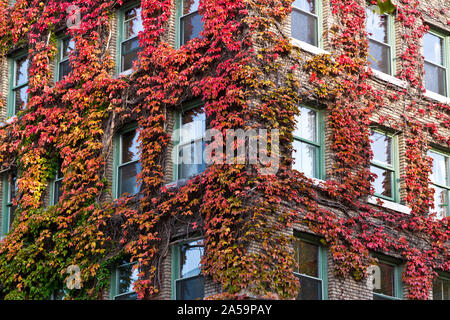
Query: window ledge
{"points": [[308, 47], [389, 205], [388, 78], [436, 96]]}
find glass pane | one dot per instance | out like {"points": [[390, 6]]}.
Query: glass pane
{"points": [[387, 280], [191, 26], [12, 187], [307, 257], [128, 178], [130, 146], [21, 70], [11, 215], [379, 57], [190, 6], [191, 160], [306, 125], [435, 78], [190, 289], [305, 5], [21, 99], [57, 191], [306, 158], [381, 148], [130, 49], [127, 276], [132, 23], [68, 45], [433, 48], [441, 289], [383, 182], [304, 27], [64, 69], [310, 289], [190, 257], [377, 26], [193, 124], [441, 201], [128, 296], [441, 167]]}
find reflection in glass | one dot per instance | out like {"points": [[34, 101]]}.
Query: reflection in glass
{"points": [[306, 158], [128, 183], [387, 281], [67, 46], [381, 148], [383, 181], [129, 166], [127, 275], [441, 289], [435, 80], [379, 49], [132, 25], [307, 270], [435, 73], [190, 285]]}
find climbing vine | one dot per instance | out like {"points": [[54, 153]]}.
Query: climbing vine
{"points": [[244, 69]]}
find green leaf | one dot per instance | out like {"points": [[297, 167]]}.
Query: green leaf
{"points": [[385, 7]]}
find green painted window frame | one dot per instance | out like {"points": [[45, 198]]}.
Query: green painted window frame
{"points": [[394, 168], [447, 187], [398, 284], [319, 22], [120, 37], [320, 125], [175, 265], [391, 43], [176, 138], [442, 276], [59, 59], [113, 288], [322, 260], [54, 181], [178, 16], [6, 204], [11, 102], [446, 53], [117, 145]]}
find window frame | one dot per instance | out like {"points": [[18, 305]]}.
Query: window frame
{"points": [[442, 276], [115, 281], [446, 60], [59, 59], [176, 138], [54, 181], [322, 261], [120, 37], [178, 16], [391, 43], [6, 204], [398, 285], [320, 127], [394, 168], [12, 87], [446, 187], [319, 24], [117, 156], [175, 266]]}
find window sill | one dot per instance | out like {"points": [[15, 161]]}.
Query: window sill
{"points": [[390, 79], [308, 47], [436, 96], [389, 205]]}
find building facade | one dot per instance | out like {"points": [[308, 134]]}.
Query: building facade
{"points": [[403, 120]]}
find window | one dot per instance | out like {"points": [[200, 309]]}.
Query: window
{"points": [[387, 282], [8, 210], [441, 288], [440, 179], [311, 270], [18, 96], [66, 46], [189, 142], [384, 165], [56, 191], [130, 24], [380, 29], [122, 282], [189, 21], [308, 141], [188, 280], [436, 55], [127, 162], [306, 21]]}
